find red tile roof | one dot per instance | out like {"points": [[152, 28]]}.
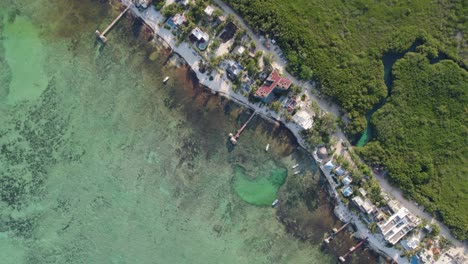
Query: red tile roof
{"points": [[273, 81]]}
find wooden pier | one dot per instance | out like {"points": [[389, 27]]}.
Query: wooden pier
{"points": [[234, 138], [102, 36], [352, 249], [335, 232]]}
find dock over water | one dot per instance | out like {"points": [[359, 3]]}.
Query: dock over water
{"points": [[336, 232], [234, 138], [352, 249], [102, 36]]}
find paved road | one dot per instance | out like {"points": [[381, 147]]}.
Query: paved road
{"points": [[330, 107]]}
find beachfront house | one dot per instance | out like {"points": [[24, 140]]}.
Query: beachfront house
{"points": [[329, 165], [274, 84], [340, 171], [200, 38], [364, 205], [142, 3], [246, 83], [198, 35], [398, 225], [176, 21], [347, 191], [303, 119], [233, 69], [347, 180]]}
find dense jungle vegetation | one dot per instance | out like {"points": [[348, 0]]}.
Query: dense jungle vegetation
{"points": [[421, 137], [420, 133]]}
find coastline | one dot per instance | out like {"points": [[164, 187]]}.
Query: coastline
{"points": [[220, 86]]}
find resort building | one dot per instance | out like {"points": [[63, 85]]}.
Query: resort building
{"points": [[273, 84], [398, 225]]}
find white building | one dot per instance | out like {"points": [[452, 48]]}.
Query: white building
{"points": [[176, 21], [398, 225], [199, 35], [142, 3], [365, 205], [239, 50], [209, 10], [362, 192], [303, 119], [394, 206], [410, 243]]}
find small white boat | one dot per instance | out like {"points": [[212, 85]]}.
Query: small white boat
{"points": [[165, 79], [267, 147], [295, 166], [297, 172], [275, 202]]}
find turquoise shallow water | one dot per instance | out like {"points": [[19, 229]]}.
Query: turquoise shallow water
{"points": [[101, 163], [261, 189], [25, 58]]}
